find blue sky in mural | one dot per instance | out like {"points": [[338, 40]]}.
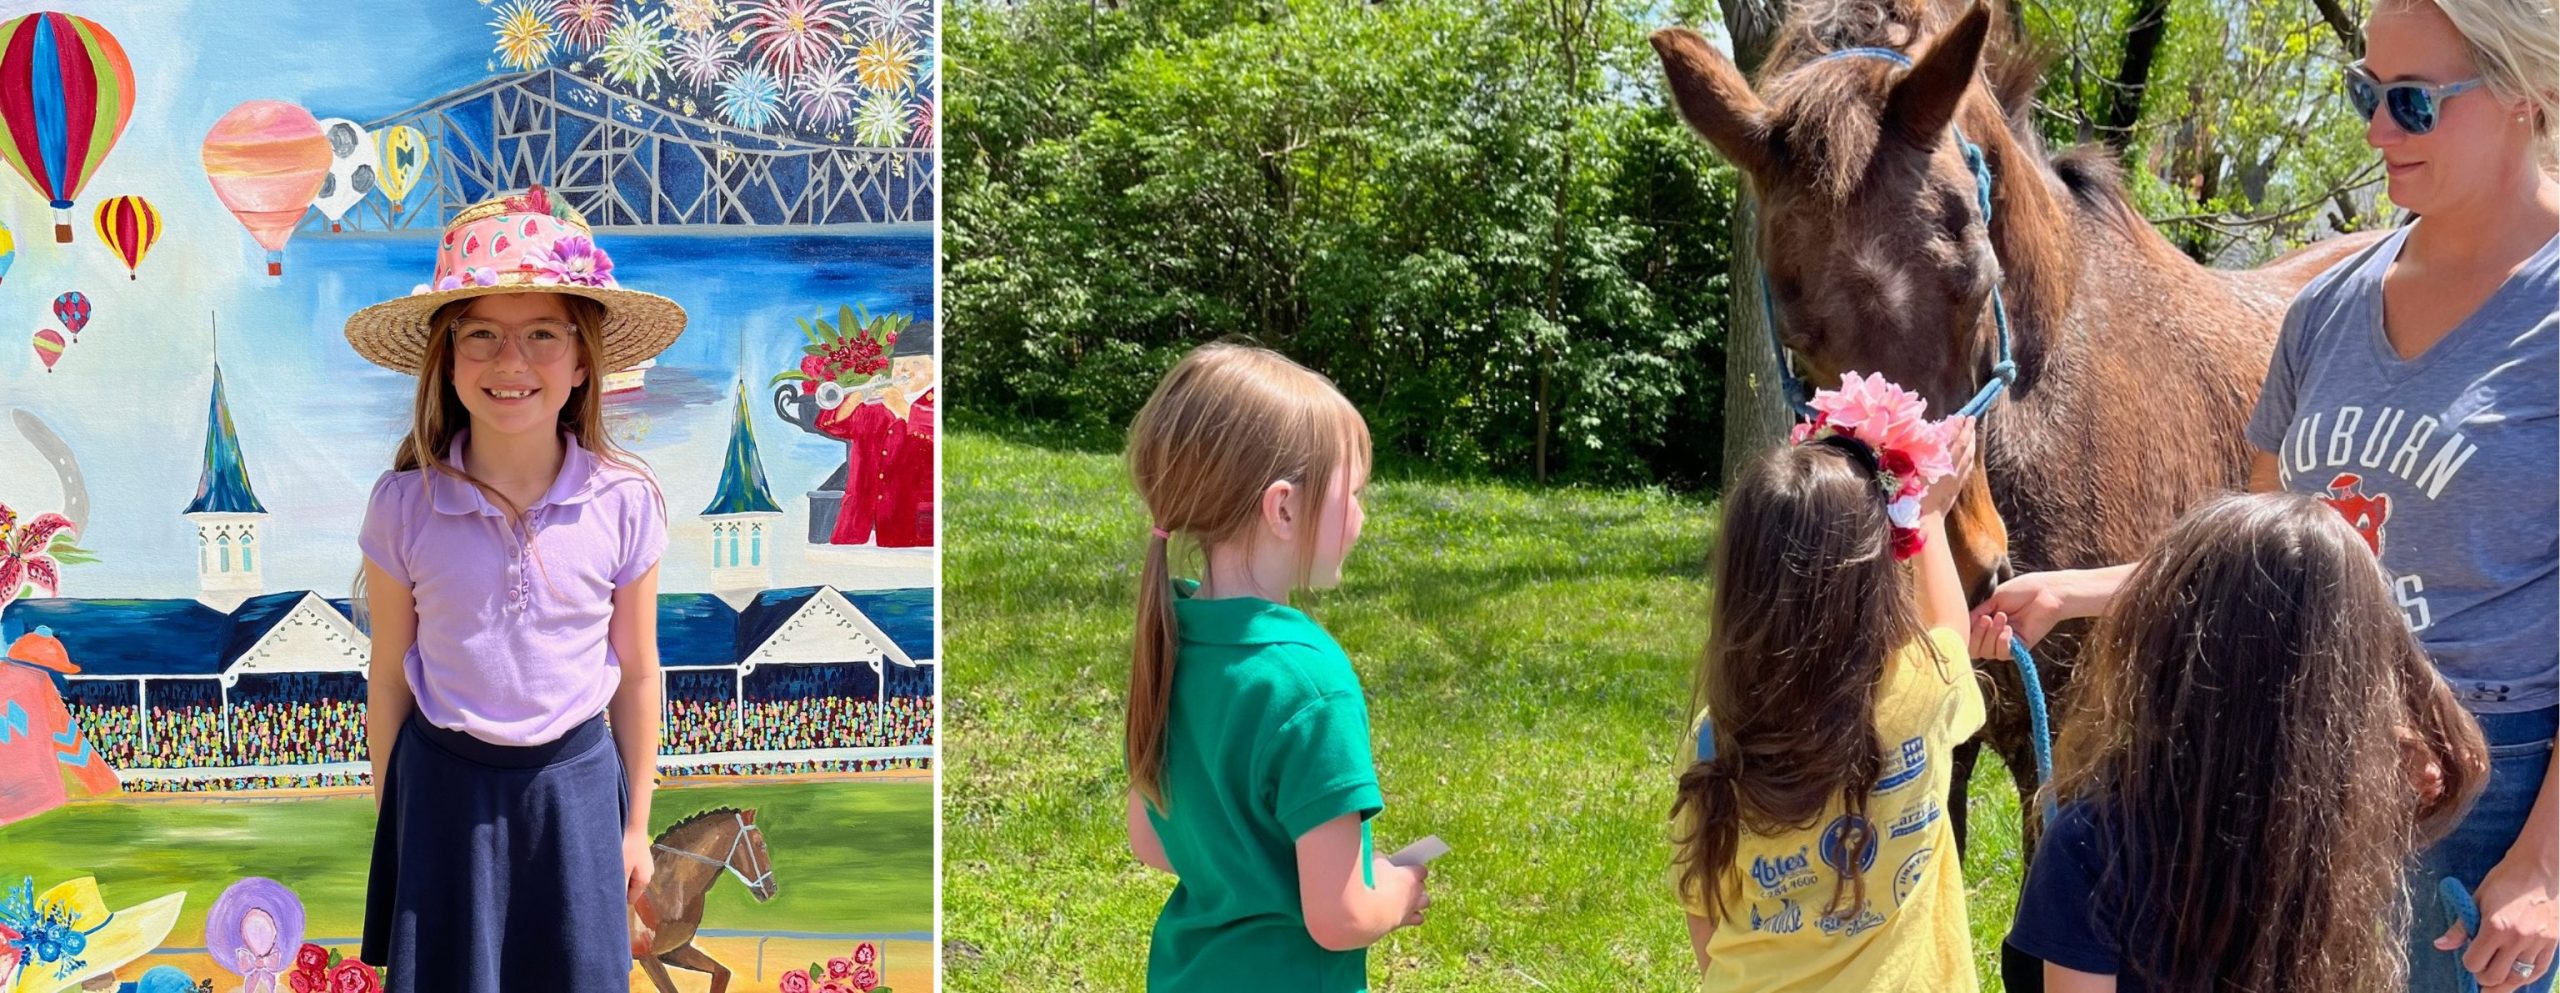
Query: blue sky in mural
{"points": [[315, 423]]}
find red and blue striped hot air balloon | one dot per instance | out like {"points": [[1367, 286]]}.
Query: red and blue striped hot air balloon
{"points": [[66, 90]]}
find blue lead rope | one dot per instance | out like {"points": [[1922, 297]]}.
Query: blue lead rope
{"points": [[2042, 733], [2458, 905], [2003, 372]]}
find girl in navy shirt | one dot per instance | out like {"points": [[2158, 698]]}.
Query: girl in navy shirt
{"points": [[2258, 748]]}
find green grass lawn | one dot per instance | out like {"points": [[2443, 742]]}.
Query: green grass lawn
{"points": [[1527, 655], [854, 857]]}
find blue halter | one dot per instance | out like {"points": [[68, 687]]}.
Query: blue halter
{"points": [[2004, 371]]}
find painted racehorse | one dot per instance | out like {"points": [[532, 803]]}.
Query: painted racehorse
{"points": [[692, 855], [2135, 367]]}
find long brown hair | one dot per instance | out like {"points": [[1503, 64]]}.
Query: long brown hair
{"points": [[1228, 421], [1809, 605], [2236, 732], [436, 414]]}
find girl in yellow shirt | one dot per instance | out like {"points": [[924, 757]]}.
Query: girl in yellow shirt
{"points": [[1814, 852]]}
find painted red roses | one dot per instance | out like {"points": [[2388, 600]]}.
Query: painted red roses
{"points": [[855, 973]]}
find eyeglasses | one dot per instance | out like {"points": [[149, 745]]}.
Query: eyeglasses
{"points": [[2413, 105], [541, 342]]}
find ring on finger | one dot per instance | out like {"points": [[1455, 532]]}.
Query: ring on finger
{"points": [[2522, 969]]}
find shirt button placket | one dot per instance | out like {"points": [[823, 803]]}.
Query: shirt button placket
{"points": [[523, 592]]}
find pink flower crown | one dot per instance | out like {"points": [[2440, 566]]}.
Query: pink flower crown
{"points": [[1911, 451]]}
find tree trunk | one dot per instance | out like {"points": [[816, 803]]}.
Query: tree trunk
{"points": [[2349, 34], [2133, 75], [1572, 21], [1756, 415], [1753, 26]]}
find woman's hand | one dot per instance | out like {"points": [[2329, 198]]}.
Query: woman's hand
{"points": [[1942, 494], [2519, 923], [2031, 605]]}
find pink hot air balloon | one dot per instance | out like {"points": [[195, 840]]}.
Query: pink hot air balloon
{"points": [[49, 347], [267, 159]]}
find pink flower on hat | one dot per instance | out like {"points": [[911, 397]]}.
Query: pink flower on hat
{"points": [[571, 259]]}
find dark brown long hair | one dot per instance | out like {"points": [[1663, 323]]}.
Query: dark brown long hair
{"points": [[1227, 421], [1809, 605], [2236, 730]]}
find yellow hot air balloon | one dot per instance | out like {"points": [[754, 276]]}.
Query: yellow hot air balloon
{"points": [[404, 159], [128, 226]]}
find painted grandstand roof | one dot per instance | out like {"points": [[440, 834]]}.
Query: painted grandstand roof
{"points": [[260, 614], [696, 629], [128, 637], [180, 638], [156, 637], [906, 616]]}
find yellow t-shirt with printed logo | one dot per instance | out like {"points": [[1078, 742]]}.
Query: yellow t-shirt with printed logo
{"points": [[1910, 933]]}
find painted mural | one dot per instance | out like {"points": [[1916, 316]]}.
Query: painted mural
{"points": [[196, 200]]}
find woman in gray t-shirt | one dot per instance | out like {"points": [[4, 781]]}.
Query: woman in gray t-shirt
{"points": [[2416, 388]]}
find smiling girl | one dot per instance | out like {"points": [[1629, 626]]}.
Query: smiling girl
{"points": [[511, 581]]}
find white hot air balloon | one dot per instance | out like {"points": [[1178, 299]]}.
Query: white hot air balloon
{"points": [[355, 168]]}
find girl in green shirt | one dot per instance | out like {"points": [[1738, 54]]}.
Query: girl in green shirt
{"points": [[1248, 734]]}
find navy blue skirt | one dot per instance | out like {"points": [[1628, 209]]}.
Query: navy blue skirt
{"points": [[499, 868]]}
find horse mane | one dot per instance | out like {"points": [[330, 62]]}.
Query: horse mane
{"points": [[673, 829], [2095, 180]]}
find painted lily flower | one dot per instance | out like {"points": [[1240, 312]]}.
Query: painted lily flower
{"points": [[25, 553]]}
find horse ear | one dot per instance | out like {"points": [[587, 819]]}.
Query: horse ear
{"points": [[1925, 100], [1714, 98]]}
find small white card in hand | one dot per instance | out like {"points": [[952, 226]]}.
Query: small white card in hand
{"points": [[1420, 852]]}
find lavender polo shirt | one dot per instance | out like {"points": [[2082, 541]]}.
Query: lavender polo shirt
{"points": [[512, 643]]}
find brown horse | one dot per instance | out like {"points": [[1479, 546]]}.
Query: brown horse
{"points": [[691, 856], [2136, 367]]}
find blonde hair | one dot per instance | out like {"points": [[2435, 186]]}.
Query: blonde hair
{"points": [[1228, 421], [2516, 45]]}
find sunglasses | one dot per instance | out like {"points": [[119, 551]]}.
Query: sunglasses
{"points": [[541, 342], [2413, 105]]}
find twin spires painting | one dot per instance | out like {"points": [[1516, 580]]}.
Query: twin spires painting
{"points": [[198, 199]]}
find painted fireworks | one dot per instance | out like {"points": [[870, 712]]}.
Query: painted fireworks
{"points": [[812, 69]]}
